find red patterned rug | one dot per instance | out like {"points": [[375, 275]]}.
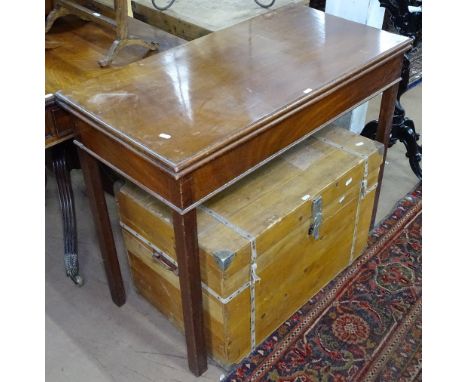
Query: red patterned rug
{"points": [[363, 326]]}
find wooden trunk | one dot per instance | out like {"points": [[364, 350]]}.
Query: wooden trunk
{"points": [[267, 244]]}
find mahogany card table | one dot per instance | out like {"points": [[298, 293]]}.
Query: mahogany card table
{"points": [[187, 123]]}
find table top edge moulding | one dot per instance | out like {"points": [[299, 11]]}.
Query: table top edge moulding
{"points": [[173, 98]]}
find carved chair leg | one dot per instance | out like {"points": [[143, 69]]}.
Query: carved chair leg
{"points": [[67, 206]]}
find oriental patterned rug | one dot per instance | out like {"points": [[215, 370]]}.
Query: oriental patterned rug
{"points": [[363, 326]]}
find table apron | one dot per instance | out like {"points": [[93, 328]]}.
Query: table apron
{"points": [[282, 134], [186, 190]]}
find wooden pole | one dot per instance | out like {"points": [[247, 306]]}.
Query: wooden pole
{"points": [[121, 18]]}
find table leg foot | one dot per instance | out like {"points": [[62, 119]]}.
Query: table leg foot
{"points": [[67, 206], [185, 228], [97, 201], [118, 45]]}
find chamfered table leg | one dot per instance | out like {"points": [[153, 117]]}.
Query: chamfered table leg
{"points": [[387, 108], [186, 238], [97, 201]]}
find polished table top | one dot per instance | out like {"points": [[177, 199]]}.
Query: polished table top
{"points": [[190, 101]]}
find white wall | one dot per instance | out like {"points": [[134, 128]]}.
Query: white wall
{"points": [[366, 12]]}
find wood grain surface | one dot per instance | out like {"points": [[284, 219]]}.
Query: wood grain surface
{"points": [[73, 49], [180, 106], [189, 122]]}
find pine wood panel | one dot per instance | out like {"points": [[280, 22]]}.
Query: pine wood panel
{"points": [[226, 325], [354, 143], [140, 212], [166, 297], [267, 213], [303, 265], [268, 210]]}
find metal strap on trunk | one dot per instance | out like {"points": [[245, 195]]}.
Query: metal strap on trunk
{"points": [[170, 260], [362, 192], [365, 190], [253, 266]]}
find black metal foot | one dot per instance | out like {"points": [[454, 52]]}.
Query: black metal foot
{"points": [[405, 133], [67, 206]]}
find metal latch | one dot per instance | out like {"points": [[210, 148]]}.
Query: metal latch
{"points": [[316, 217]]}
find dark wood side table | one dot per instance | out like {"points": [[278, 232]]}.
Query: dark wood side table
{"points": [[189, 122], [73, 49]]}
